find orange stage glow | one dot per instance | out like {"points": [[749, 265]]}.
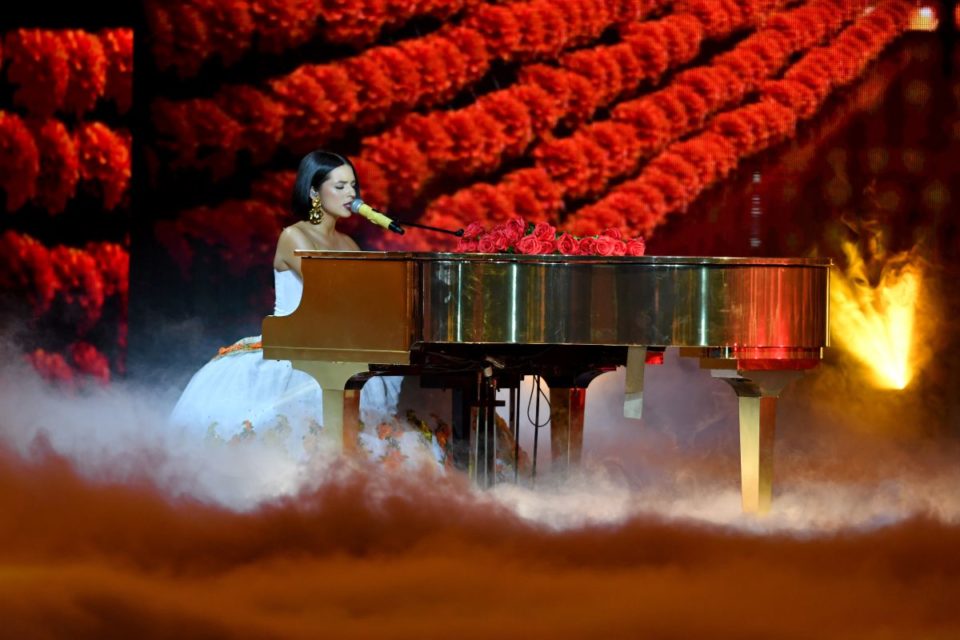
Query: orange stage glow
{"points": [[924, 18], [877, 323]]}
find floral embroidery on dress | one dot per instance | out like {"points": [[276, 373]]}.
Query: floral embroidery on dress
{"points": [[240, 346], [392, 446]]}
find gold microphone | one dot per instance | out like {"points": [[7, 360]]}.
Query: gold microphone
{"points": [[359, 206]]}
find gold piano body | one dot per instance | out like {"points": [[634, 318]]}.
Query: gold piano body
{"points": [[756, 323]]}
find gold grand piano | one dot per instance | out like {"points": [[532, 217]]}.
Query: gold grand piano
{"points": [[485, 320]]}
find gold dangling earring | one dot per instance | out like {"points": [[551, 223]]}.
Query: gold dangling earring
{"points": [[316, 211]]}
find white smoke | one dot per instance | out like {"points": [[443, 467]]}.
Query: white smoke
{"points": [[678, 464]]}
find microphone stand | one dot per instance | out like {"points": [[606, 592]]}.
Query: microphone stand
{"points": [[458, 232]]}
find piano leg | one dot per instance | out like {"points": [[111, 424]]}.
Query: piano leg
{"points": [[566, 426], [757, 392], [633, 386], [341, 406]]}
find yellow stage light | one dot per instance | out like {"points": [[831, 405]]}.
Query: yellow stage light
{"points": [[876, 323]]}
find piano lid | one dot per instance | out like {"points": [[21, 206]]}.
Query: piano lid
{"points": [[377, 306]]}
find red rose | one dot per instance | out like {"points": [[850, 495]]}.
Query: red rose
{"points": [[612, 233], [544, 231], [465, 246], [605, 245], [636, 247], [514, 228], [619, 247], [568, 245], [473, 231], [487, 244], [548, 246], [502, 241], [529, 245], [588, 246]]}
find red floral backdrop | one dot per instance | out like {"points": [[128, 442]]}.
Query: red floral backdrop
{"points": [[587, 114], [65, 162]]}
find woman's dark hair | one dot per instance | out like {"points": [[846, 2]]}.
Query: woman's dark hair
{"points": [[314, 169]]}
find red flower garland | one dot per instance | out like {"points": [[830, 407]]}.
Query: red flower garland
{"points": [[81, 283], [256, 122], [426, 71], [39, 66], [89, 361], [185, 36], [419, 150], [529, 193], [52, 367], [315, 99], [95, 154], [83, 276], [59, 165], [114, 263], [681, 107], [206, 137], [104, 161], [70, 70], [229, 27], [240, 246], [275, 187], [179, 37], [118, 47], [473, 143], [25, 266], [88, 71], [360, 23], [19, 161], [283, 24], [583, 164], [685, 169]]}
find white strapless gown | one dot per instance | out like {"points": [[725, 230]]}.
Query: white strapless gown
{"points": [[239, 395]]}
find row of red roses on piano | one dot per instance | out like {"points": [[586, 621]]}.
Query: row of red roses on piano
{"points": [[300, 111], [186, 35], [82, 279], [44, 162], [69, 70], [671, 181], [518, 236], [84, 364], [583, 164]]}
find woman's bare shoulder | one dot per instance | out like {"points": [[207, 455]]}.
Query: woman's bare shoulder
{"points": [[295, 237]]}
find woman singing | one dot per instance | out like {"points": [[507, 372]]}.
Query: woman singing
{"points": [[240, 396]]}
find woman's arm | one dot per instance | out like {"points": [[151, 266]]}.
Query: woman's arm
{"points": [[290, 240]]}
